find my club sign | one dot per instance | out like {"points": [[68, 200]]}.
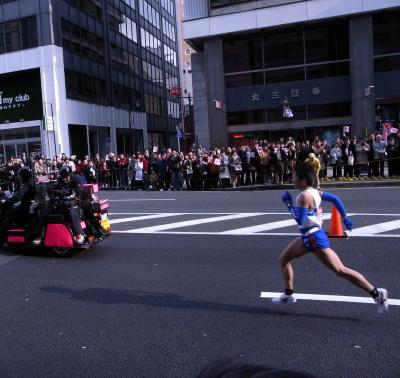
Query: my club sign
{"points": [[13, 102], [20, 96]]}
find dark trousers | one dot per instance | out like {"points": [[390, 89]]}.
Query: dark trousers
{"points": [[378, 167], [348, 171], [337, 171], [74, 216]]}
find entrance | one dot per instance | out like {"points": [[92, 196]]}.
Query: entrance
{"points": [[16, 142]]}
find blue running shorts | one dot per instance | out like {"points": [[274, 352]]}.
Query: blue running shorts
{"points": [[317, 240]]}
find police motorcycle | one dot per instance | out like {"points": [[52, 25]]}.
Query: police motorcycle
{"points": [[46, 224]]}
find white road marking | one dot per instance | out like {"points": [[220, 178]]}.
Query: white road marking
{"points": [[142, 199], [256, 234], [143, 217], [194, 222], [376, 228], [331, 298], [5, 259], [285, 213], [266, 227]]}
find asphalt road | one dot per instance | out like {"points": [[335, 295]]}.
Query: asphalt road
{"points": [[178, 294]]}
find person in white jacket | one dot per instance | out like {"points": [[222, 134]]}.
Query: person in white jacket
{"points": [[336, 160]]}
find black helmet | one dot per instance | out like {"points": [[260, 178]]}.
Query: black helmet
{"points": [[65, 171], [24, 174]]}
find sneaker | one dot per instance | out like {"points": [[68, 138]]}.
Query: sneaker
{"points": [[382, 301], [283, 298], [80, 239], [37, 241]]}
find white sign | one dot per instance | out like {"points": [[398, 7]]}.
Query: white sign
{"points": [[393, 130], [49, 123]]}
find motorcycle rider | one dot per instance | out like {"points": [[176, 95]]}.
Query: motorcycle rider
{"points": [[16, 208], [68, 188]]}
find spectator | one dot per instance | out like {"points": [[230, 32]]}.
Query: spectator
{"points": [[336, 160], [392, 152], [362, 153], [379, 155]]}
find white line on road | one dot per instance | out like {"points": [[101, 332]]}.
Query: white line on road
{"points": [[142, 199], [285, 213], [331, 298], [143, 217], [5, 259], [376, 228], [194, 222], [256, 234], [265, 227]]}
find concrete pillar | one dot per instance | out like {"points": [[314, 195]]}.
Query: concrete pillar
{"points": [[362, 75], [209, 86]]}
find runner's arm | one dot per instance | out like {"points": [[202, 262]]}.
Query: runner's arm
{"points": [[299, 214], [337, 202]]}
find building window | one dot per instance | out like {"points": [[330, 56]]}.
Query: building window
{"points": [[170, 56], [283, 47], [327, 42], [188, 52], [244, 80], [152, 104], [18, 35], [169, 30], [153, 74], [149, 13], [82, 42], [121, 23], [388, 63], [90, 7], [246, 117], [243, 54], [328, 70], [150, 42], [285, 75], [123, 60], [329, 110], [169, 6], [386, 33], [85, 88]]}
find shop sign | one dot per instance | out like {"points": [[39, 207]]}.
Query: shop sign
{"points": [[346, 129], [294, 93], [21, 96]]}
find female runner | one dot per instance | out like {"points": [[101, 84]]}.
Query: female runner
{"points": [[308, 215]]}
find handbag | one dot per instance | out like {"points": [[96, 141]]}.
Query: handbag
{"points": [[238, 168], [221, 168], [350, 160]]}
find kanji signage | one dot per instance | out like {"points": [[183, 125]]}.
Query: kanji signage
{"points": [[21, 96]]}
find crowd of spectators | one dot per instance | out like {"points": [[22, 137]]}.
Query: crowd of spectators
{"points": [[346, 158]]}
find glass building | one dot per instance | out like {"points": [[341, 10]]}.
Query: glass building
{"points": [[336, 66], [87, 76]]}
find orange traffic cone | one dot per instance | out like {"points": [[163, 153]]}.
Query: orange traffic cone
{"points": [[335, 228]]}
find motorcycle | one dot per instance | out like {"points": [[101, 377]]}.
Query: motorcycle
{"points": [[55, 232]]}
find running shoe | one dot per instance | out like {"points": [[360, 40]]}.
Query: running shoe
{"points": [[382, 301], [80, 239], [283, 298]]}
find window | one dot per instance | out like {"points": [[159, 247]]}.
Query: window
{"points": [[389, 63], [285, 75], [188, 52], [150, 42], [246, 117], [149, 13], [152, 104], [244, 80], [153, 74], [188, 63], [169, 6], [283, 47], [123, 60], [328, 70], [386, 33], [90, 7], [170, 56], [85, 88], [243, 54], [18, 35], [82, 42], [329, 110], [327, 41], [121, 23], [169, 30]]}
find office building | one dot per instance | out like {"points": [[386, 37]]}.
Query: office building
{"points": [[268, 69], [87, 76]]}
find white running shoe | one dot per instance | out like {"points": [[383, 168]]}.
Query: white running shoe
{"points": [[283, 298], [382, 301], [80, 239]]}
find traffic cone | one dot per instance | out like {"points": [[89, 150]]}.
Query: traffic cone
{"points": [[335, 228]]}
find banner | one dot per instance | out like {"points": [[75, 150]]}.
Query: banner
{"points": [[21, 96]]}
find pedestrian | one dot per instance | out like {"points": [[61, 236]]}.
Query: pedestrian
{"points": [[336, 160], [362, 156], [379, 156], [308, 214]]}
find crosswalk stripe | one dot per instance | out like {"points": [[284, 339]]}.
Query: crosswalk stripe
{"points": [[144, 217], [194, 222], [376, 228], [265, 227]]}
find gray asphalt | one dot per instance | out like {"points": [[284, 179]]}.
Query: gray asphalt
{"points": [[167, 305]]}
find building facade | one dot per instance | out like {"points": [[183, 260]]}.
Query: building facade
{"points": [[87, 76], [335, 65]]}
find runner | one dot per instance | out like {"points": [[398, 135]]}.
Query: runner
{"points": [[308, 214]]}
